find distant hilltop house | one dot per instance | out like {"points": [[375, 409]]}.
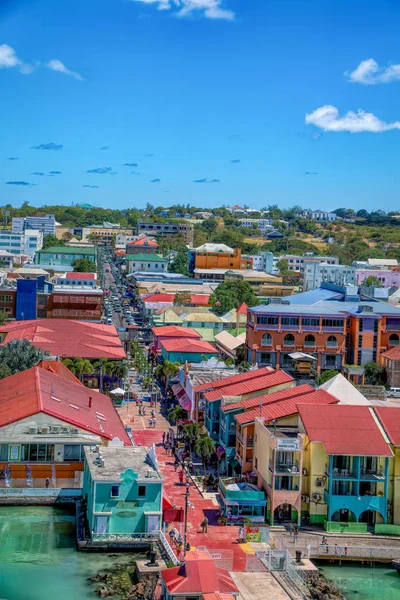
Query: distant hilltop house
{"points": [[319, 215]]}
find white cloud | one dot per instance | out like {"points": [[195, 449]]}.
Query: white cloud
{"points": [[327, 118], [57, 65], [8, 57], [212, 9], [369, 72]]}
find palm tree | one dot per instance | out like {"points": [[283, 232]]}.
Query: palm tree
{"points": [[82, 366], [20, 355], [191, 431], [176, 414], [204, 447], [120, 370]]}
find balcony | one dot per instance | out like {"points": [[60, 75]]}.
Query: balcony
{"points": [[331, 344], [393, 343], [289, 344], [249, 443], [341, 473], [372, 474], [393, 327], [287, 469], [309, 344]]}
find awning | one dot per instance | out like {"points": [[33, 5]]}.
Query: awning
{"points": [[243, 502], [299, 355], [220, 451], [173, 515], [185, 402], [166, 502]]}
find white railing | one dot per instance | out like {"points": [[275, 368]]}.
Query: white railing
{"points": [[125, 537], [170, 553], [364, 552]]}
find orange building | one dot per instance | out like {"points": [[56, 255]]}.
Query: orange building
{"points": [[220, 256]]}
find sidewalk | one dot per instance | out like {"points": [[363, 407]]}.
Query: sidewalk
{"points": [[222, 538]]}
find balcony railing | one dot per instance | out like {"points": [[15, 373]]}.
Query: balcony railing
{"points": [[249, 443], [287, 344], [338, 473], [368, 474], [331, 344], [309, 344], [287, 469], [393, 327], [393, 342]]}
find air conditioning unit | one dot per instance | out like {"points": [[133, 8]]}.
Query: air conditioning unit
{"points": [[304, 472], [45, 429], [74, 430], [316, 497], [64, 429], [319, 483], [56, 428], [33, 430], [305, 498]]}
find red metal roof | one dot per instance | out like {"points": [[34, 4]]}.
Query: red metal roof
{"points": [[186, 345], [242, 310], [67, 338], [197, 576], [393, 354], [80, 276], [194, 298], [175, 331], [218, 596], [144, 241], [229, 380], [389, 416], [252, 385], [58, 367], [40, 391], [344, 429], [286, 407], [269, 398]]}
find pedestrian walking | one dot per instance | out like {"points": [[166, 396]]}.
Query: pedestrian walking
{"points": [[290, 527], [204, 525], [47, 483], [171, 537], [280, 516], [181, 477], [176, 463], [163, 437], [154, 422], [295, 533], [166, 448], [336, 549], [241, 535]]}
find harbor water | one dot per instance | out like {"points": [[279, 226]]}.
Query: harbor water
{"points": [[362, 582], [38, 558]]}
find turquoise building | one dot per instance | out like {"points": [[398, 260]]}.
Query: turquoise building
{"points": [[123, 488], [184, 350], [63, 256], [242, 499]]}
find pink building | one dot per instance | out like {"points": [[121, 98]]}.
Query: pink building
{"points": [[385, 277]]}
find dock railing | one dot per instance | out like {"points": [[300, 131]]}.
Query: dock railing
{"points": [[357, 552]]}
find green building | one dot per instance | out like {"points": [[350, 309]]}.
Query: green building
{"points": [[64, 256], [123, 488], [241, 499]]}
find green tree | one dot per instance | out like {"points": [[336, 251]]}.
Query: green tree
{"points": [[5, 371], [166, 370], [176, 414], [191, 431], [204, 447], [67, 236], [283, 266], [20, 355], [180, 264], [231, 294], [199, 237], [51, 240], [182, 299], [374, 374], [3, 317], [83, 366], [326, 376], [372, 281], [84, 265]]}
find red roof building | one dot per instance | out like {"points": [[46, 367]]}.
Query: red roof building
{"points": [[171, 332], [344, 430], [269, 398], [67, 338], [199, 575], [239, 378], [143, 241], [251, 386], [39, 391], [242, 310], [76, 275], [58, 368], [389, 416], [187, 346]]}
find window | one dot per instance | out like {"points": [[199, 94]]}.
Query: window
{"points": [[331, 342], [310, 322], [115, 491], [309, 341], [290, 321], [332, 322], [267, 320], [288, 340], [266, 340], [142, 491], [5, 298], [72, 452]]}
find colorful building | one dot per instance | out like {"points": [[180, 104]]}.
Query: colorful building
{"points": [[220, 256], [141, 255], [64, 256], [241, 499], [170, 332], [183, 350], [123, 488]]}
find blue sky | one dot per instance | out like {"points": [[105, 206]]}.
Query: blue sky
{"points": [[184, 91]]}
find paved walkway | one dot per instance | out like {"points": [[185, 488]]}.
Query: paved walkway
{"points": [[219, 538]]}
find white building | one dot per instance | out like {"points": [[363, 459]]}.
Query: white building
{"points": [[296, 262], [46, 224], [26, 243], [319, 215], [264, 261], [316, 273]]}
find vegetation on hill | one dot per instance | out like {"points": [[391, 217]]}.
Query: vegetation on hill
{"points": [[231, 294]]}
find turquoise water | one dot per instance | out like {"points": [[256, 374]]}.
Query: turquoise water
{"points": [[38, 560], [364, 582]]}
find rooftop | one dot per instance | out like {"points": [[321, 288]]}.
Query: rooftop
{"points": [[344, 391], [67, 250], [174, 331], [269, 398], [390, 420], [146, 257], [189, 346], [67, 338], [117, 459], [267, 381], [348, 430], [75, 275], [230, 378], [209, 247], [143, 241]]}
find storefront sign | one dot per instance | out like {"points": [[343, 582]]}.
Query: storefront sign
{"points": [[287, 444]]}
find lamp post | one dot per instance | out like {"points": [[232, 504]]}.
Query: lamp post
{"points": [[186, 516]]}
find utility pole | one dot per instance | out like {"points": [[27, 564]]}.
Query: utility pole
{"points": [[186, 517]]}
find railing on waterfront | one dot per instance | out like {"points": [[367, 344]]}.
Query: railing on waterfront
{"points": [[125, 537], [281, 560], [362, 552]]}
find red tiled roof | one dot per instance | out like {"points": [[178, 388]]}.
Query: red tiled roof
{"points": [[175, 331], [194, 298], [242, 310], [198, 575], [188, 345], [40, 391], [58, 367], [67, 338], [269, 398], [80, 276], [344, 429], [144, 241], [218, 596], [393, 354], [120, 252], [389, 416], [228, 380], [286, 407], [252, 385]]}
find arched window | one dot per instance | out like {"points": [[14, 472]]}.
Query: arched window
{"points": [[309, 341], [288, 340], [266, 339], [331, 342], [394, 340]]}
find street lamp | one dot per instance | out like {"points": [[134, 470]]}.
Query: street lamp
{"points": [[186, 516]]}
